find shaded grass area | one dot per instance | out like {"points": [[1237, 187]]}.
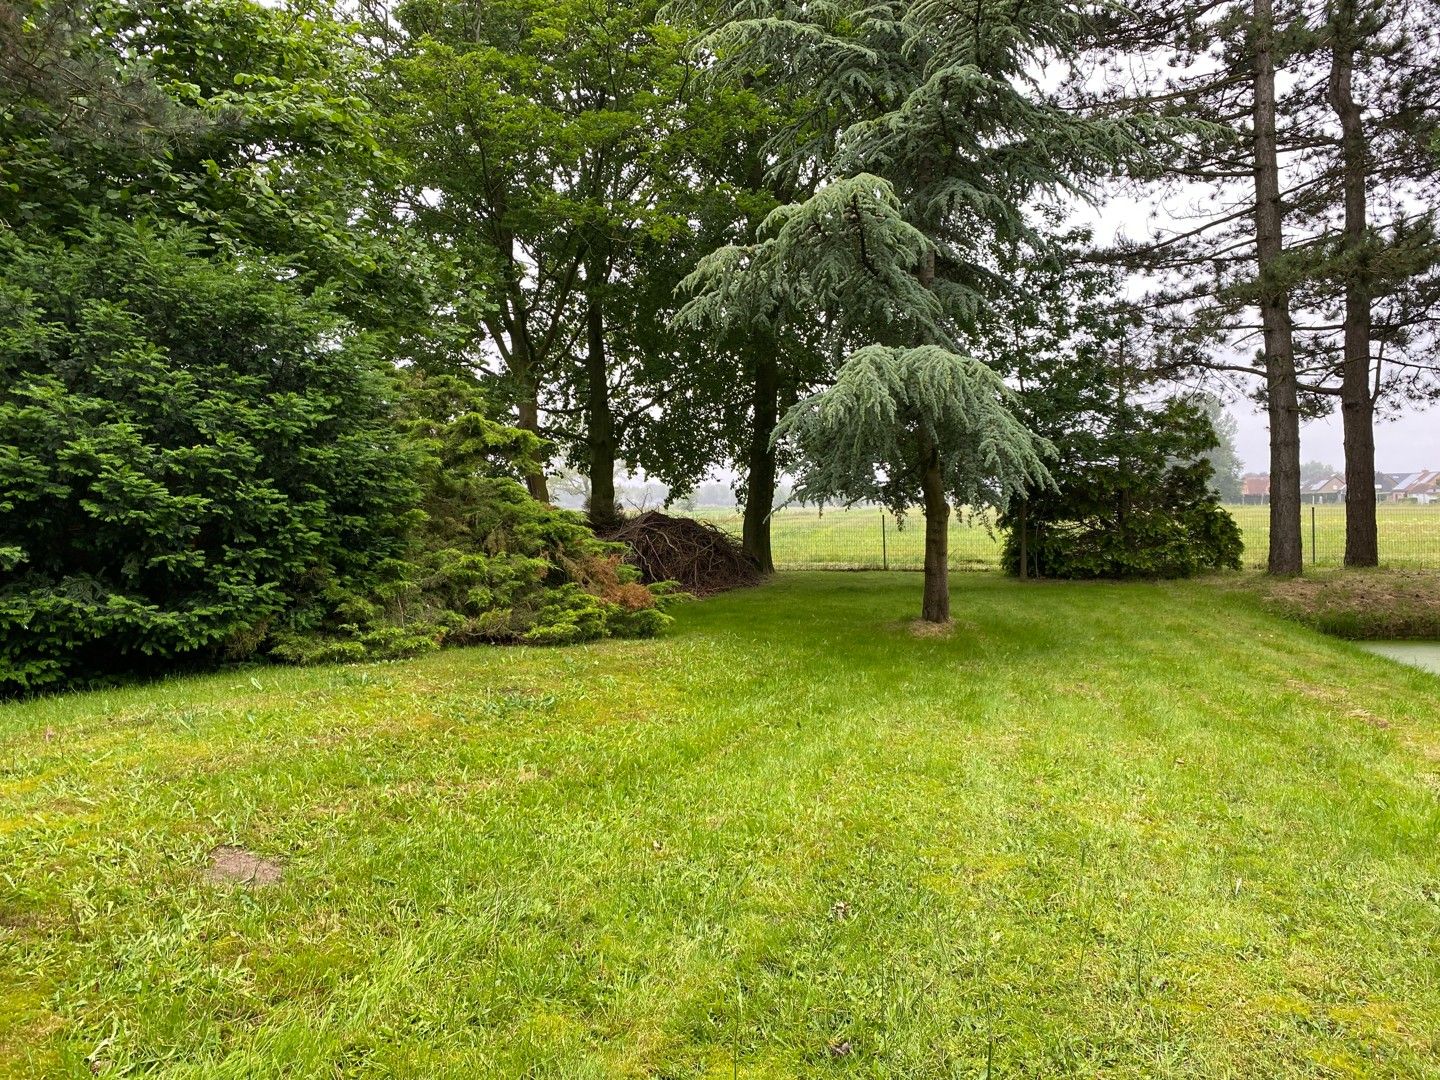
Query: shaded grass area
{"points": [[1358, 604], [1120, 830], [839, 538]]}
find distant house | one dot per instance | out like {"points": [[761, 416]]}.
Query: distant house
{"points": [[1387, 486], [1422, 486], [1255, 488], [1329, 489]]}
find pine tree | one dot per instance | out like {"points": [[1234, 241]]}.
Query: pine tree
{"points": [[933, 140], [1318, 200], [900, 423], [1368, 209]]}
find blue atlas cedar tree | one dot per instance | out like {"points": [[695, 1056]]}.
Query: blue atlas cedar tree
{"points": [[934, 137]]}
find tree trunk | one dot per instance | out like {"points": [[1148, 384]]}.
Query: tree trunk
{"points": [[599, 422], [1286, 556], [936, 605], [528, 419], [1024, 538], [760, 465], [1357, 406]]}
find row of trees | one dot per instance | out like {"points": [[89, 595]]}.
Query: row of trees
{"points": [[677, 224], [386, 258], [579, 161], [227, 427], [1302, 219]]}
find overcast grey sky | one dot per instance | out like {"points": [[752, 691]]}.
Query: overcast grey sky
{"points": [[1412, 442], [1405, 444]]}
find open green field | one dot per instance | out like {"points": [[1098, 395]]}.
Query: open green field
{"points": [[1118, 830], [806, 538]]}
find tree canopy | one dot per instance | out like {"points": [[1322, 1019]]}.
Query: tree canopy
{"points": [[306, 303]]}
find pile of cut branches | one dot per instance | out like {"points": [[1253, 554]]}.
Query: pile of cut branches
{"points": [[702, 558]]}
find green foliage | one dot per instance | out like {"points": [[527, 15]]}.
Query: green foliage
{"points": [[204, 457], [872, 435], [847, 252], [933, 147], [1132, 493], [249, 121], [203, 462], [488, 563], [1312, 471], [940, 105], [1133, 498], [190, 447], [548, 144]]}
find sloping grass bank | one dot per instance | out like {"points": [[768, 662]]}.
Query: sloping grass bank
{"points": [[1131, 831], [1357, 604]]}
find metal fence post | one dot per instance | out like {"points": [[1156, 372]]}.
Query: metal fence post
{"points": [[1314, 555], [884, 544]]}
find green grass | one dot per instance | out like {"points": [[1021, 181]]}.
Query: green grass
{"points": [[805, 538], [1101, 830], [1409, 534]]}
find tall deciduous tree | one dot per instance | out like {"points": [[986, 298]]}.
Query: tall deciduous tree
{"points": [[534, 130], [749, 371], [242, 119]]}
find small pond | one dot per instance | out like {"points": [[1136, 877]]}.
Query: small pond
{"points": [[1422, 654]]}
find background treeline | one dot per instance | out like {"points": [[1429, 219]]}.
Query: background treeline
{"points": [[302, 307], [238, 417]]}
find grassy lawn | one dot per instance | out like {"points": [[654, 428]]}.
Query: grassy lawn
{"points": [[805, 538], [1130, 831]]}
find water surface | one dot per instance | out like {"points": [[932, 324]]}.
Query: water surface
{"points": [[1421, 654]]}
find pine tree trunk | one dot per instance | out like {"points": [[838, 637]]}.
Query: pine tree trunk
{"points": [[1357, 406], [599, 422], [1286, 556], [935, 607], [760, 466]]}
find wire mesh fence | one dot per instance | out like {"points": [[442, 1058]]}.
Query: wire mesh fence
{"points": [[1409, 534], [868, 538]]}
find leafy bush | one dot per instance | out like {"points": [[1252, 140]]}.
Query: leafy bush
{"points": [[201, 462], [190, 444], [489, 563], [1132, 499]]}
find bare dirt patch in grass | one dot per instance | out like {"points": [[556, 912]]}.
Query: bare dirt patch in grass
{"points": [[1338, 702], [923, 628], [232, 865]]}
